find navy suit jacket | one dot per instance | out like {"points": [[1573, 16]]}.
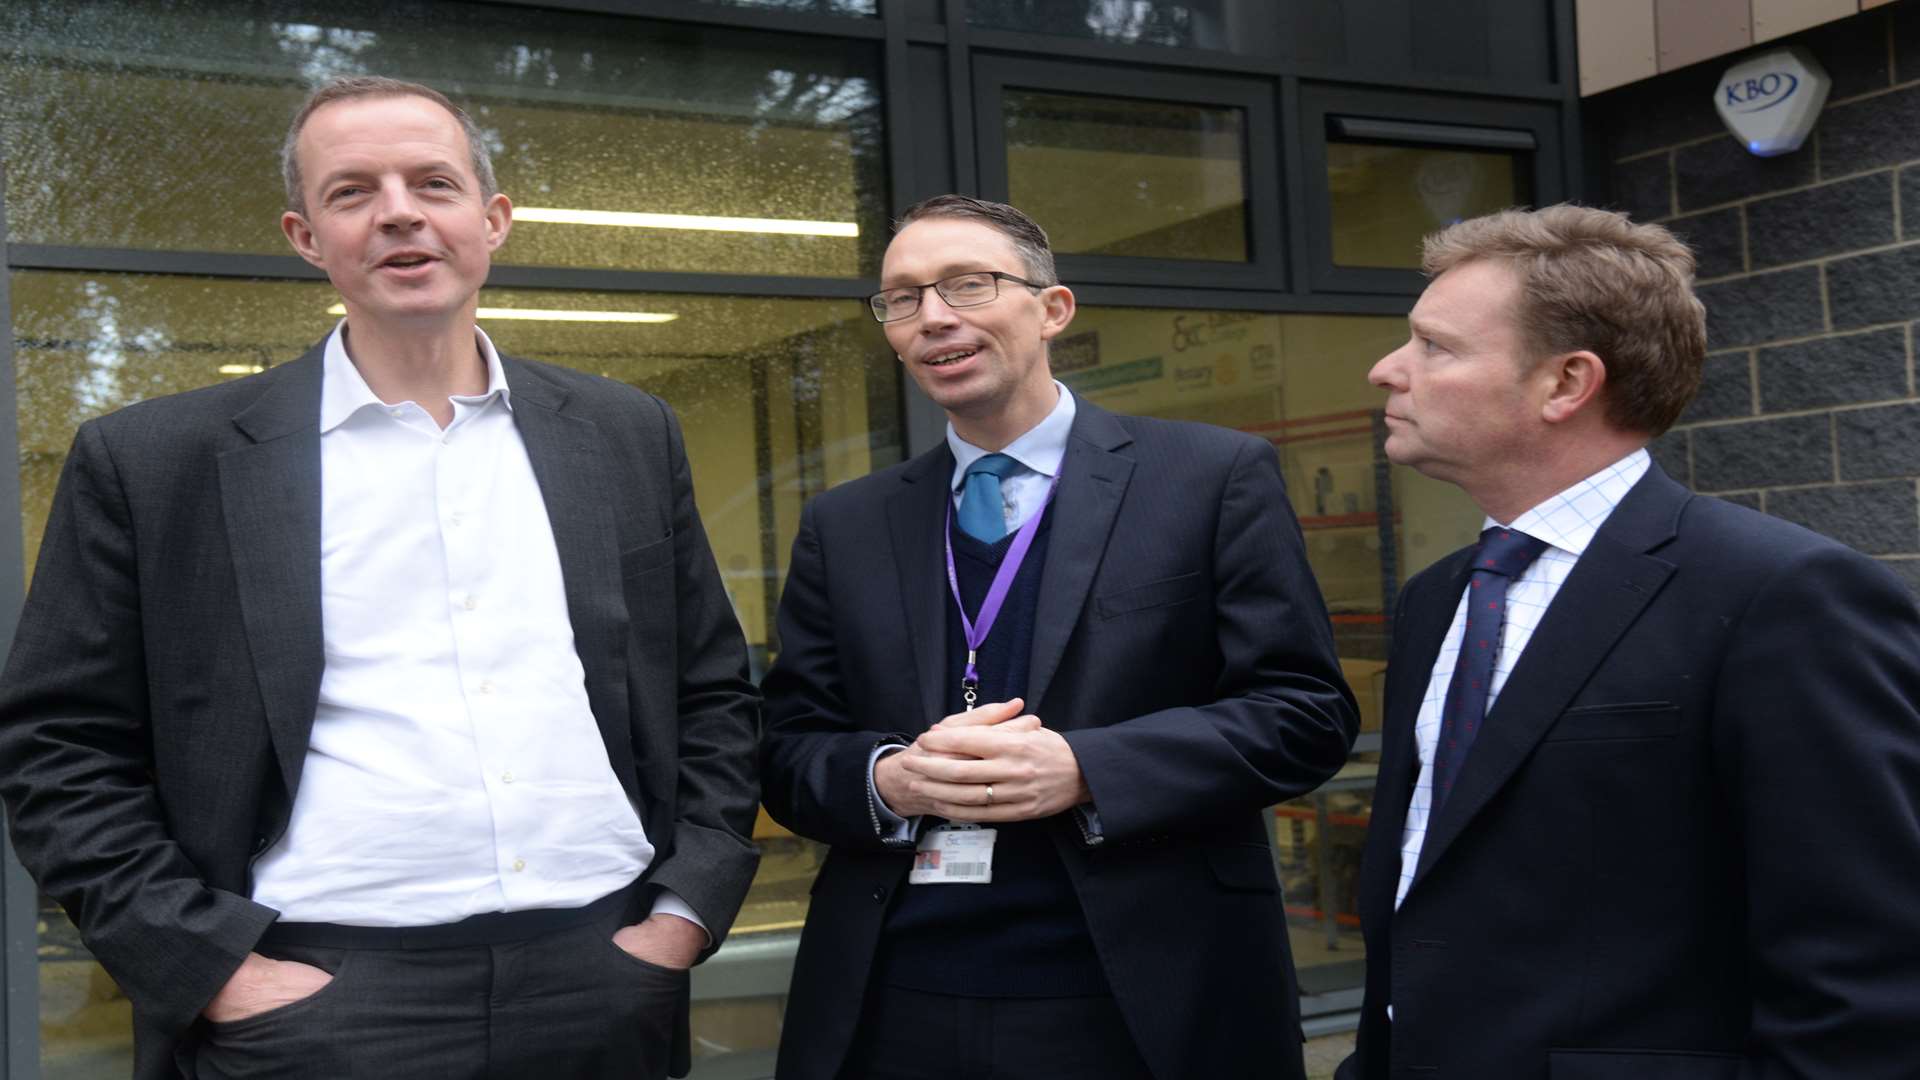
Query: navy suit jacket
{"points": [[1181, 647], [1677, 847], [155, 711]]}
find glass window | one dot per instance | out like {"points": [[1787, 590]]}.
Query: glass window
{"points": [[864, 8], [623, 144], [1237, 26], [778, 399], [1298, 381], [1117, 176], [1386, 197]]}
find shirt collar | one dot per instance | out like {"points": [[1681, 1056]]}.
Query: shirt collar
{"points": [[1041, 448], [1570, 519], [344, 391]]}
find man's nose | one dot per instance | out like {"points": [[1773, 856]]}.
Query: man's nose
{"points": [[934, 310], [397, 208], [1385, 372]]}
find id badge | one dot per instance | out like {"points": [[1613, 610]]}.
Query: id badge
{"points": [[953, 855]]}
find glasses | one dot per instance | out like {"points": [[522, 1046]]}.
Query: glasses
{"points": [[960, 290]]}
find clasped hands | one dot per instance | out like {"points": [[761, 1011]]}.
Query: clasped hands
{"points": [[991, 763]]}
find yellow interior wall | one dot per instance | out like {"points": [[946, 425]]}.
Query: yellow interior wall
{"points": [[86, 344], [1386, 198]]}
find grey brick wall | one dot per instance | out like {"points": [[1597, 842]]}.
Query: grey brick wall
{"points": [[1809, 265]]}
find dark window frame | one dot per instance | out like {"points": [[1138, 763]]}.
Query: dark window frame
{"points": [[1395, 117], [1266, 265]]}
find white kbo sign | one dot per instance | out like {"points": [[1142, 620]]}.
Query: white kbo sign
{"points": [[1770, 101]]}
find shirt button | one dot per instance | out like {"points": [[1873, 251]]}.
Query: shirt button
{"points": [[470, 602], [454, 520], [486, 686], [519, 865], [506, 777], [396, 411]]}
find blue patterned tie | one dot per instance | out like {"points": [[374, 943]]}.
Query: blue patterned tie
{"points": [[1502, 556], [982, 511]]}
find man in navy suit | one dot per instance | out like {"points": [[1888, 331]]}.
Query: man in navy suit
{"points": [[1649, 794], [1115, 619]]}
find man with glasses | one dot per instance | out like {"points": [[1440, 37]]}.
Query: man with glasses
{"points": [[1035, 687]]}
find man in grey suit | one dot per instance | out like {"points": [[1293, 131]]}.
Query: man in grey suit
{"points": [[383, 713]]}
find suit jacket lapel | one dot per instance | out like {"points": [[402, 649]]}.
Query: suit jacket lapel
{"points": [[569, 462], [916, 513], [270, 498], [1093, 481], [1611, 585]]}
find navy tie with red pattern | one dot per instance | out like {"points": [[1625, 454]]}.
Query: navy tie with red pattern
{"points": [[1502, 556]]}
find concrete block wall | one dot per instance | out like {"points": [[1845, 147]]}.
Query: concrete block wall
{"points": [[1810, 270]]}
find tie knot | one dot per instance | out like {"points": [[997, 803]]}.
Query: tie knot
{"points": [[1507, 552], [995, 465]]}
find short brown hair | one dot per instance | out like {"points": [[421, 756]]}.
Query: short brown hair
{"points": [[1591, 279], [351, 87], [1029, 239]]}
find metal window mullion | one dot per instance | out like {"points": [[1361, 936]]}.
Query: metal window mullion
{"points": [[293, 268], [19, 897]]}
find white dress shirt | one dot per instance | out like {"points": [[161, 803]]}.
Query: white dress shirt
{"points": [[454, 766], [1567, 522], [1040, 450]]}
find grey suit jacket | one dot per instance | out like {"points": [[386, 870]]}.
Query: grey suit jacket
{"points": [[155, 710]]}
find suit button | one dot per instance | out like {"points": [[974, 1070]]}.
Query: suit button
{"points": [[879, 894], [259, 844]]}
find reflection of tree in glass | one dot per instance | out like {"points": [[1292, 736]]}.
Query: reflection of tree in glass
{"points": [[811, 7], [1136, 22], [97, 385], [324, 52]]}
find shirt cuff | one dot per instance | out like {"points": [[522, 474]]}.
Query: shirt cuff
{"points": [[891, 826], [668, 902]]}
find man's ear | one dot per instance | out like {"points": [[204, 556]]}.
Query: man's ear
{"points": [[499, 214], [1057, 306], [300, 235], [1574, 382]]}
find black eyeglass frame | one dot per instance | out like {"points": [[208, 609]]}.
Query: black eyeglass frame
{"points": [[875, 305]]}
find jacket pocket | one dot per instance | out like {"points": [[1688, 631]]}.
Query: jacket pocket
{"points": [[1641, 1065], [1636, 720], [1243, 867], [1162, 593], [647, 557]]}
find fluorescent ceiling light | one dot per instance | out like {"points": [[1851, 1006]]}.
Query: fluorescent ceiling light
{"points": [[557, 314], [241, 369], [703, 222]]}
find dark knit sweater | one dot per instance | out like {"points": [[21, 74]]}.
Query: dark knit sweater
{"points": [[1024, 934]]}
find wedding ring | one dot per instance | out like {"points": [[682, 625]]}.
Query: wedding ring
{"points": [[989, 794]]}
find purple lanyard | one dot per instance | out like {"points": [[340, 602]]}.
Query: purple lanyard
{"points": [[996, 593]]}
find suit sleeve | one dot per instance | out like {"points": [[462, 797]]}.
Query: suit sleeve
{"points": [[1818, 732], [713, 859], [76, 768], [1282, 718], [815, 758]]}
